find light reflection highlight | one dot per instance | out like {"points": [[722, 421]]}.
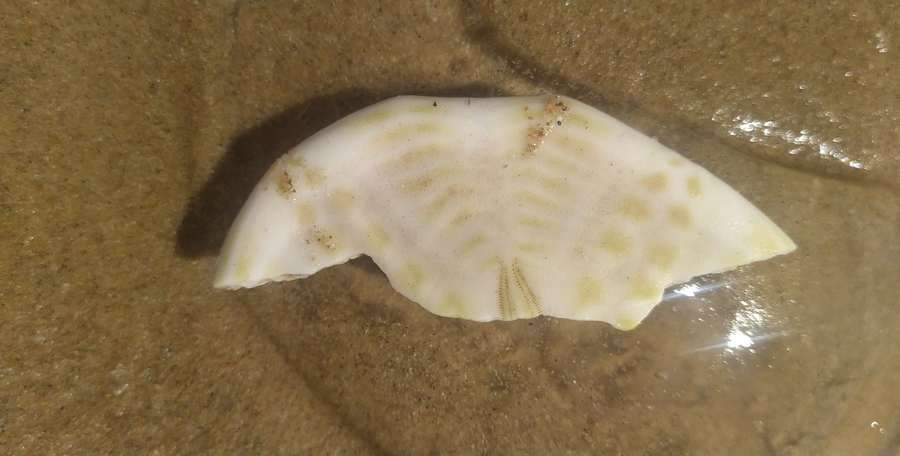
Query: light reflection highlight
{"points": [[759, 130], [691, 289], [881, 42], [738, 339], [747, 328]]}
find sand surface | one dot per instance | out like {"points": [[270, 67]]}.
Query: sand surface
{"points": [[131, 132]]}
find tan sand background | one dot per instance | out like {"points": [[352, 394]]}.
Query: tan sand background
{"points": [[131, 132]]}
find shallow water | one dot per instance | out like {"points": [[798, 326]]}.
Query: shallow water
{"points": [[132, 133]]}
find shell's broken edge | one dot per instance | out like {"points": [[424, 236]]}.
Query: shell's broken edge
{"points": [[497, 209]]}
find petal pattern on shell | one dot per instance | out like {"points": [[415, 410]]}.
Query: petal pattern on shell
{"points": [[497, 209]]}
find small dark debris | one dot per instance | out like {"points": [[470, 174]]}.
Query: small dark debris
{"points": [[434, 104], [558, 123], [285, 184]]}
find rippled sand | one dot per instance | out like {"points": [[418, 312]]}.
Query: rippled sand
{"points": [[132, 133]]}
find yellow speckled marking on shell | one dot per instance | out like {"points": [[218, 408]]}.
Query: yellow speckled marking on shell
{"points": [[584, 122], [343, 199], [736, 257], [570, 145], [306, 214], [589, 291], [412, 276], [663, 256], [418, 184], [693, 186], [626, 322], [461, 218], [492, 262], [452, 305], [533, 222], [531, 247], [273, 270], [561, 164], [291, 160], [422, 183], [537, 200], [643, 289], [634, 208], [534, 307], [314, 177], [680, 215], [414, 157], [242, 270], [556, 184], [677, 162], [615, 242], [656, 182], [325, 239], [763, 240], [378, 237], [472, 243], [438, 204], [377, 116]]}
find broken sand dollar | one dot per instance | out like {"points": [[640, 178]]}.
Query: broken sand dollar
{"points": [[497, 209]]}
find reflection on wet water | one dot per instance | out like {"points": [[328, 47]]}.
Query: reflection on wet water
{"points": [[693, 288], [739, 338], [751, 324], [797, 140], [881, 42]]}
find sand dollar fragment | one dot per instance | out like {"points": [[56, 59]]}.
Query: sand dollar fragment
{"points": [[497, 209]]}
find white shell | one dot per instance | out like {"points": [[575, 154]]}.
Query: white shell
{"points": [[497, 208]]}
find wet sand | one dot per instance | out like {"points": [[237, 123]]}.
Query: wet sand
{"points": [[131, 135]]}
